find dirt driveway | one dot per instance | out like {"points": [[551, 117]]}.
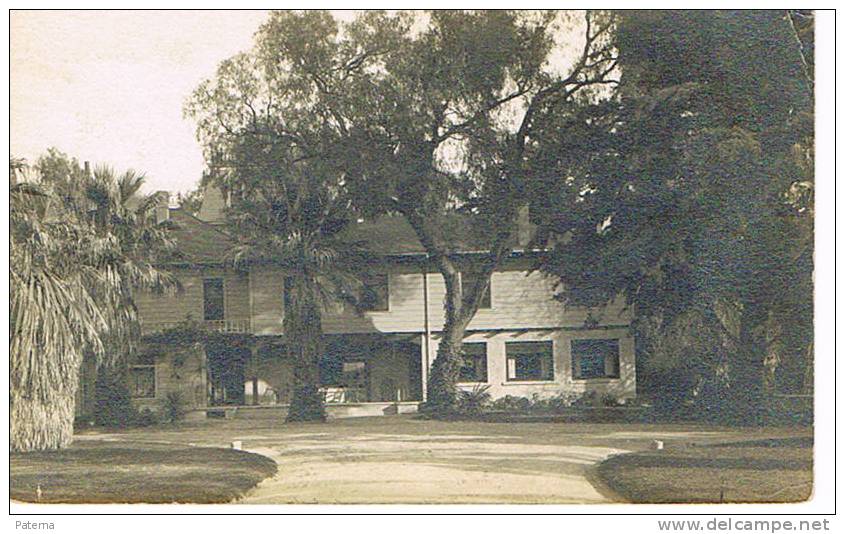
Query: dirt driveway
{"points": [[400, 459]]}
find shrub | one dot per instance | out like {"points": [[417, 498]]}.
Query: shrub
{"points": [[473, 402], [175, 406], [146, 417], [510, 403], [609, 400], [561, 401], [113, 406], [588, 399]]}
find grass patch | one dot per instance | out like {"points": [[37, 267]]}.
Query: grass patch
{"points": [[771, 470], [133, 472]]}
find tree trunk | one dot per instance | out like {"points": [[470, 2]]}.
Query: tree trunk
{"points": [[773, 358], [304, 328], [442, 386], [748, 372], [43, 422]]}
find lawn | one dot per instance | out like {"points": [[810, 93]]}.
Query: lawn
{"points": [[394, 459], [135, 472], [767, 470]]}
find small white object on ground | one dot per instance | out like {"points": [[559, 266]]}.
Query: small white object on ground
{"points": [[236, 445], [657, 444]]}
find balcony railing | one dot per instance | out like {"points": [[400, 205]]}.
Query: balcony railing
{"points": [[228, 326]]}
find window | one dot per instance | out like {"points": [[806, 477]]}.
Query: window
{"points": [[595, 358], [530, 360], [375, 296], [212, 299], [142, 377], [474, 366], [468, 280]]}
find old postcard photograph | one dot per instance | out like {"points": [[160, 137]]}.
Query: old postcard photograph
{"points": [[414, 257]]}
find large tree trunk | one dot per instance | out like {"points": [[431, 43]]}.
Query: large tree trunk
{"points": [[748, 371], [442, 389], [304, 328], [43, 422]]}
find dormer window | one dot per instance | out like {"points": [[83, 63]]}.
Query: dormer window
{"points": [[213, 299]]}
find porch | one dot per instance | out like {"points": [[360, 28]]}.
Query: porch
{"points": [[335, 410], [369, 374]]}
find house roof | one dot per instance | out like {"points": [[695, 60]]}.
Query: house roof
{"points": [[392, 235], [202, 242], [198, 241]]}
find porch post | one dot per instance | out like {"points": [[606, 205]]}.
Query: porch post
{"points": [[425, 342], [253, 365], [424, 365]]}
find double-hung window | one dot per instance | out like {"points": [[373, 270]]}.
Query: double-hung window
{"points": [[212, 299], [595, 358], [142, 377], [376, 292], [468, 281], [474, 365], [530, 361]]}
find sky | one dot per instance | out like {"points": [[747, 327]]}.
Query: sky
{"points": [[108, 87]]}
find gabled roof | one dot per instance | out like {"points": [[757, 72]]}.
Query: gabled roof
{"points": [[392, 235], [198, 241]]}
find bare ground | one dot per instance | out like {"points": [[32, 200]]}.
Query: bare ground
{"points": [[400, 459]]}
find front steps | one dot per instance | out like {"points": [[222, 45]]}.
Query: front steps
{"points": [[280, 411]]}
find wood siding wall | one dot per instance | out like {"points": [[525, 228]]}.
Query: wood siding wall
{"points": [[168, 309], [520, 300]]}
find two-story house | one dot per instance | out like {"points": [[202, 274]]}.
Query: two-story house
{"points": [[522, 342]]}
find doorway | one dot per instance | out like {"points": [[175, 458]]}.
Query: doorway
{"points": [[226, 374]]}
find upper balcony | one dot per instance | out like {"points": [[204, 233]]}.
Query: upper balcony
{"points": [[228, 326]]}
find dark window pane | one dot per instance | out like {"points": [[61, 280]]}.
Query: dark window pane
{"points": [[331, 370], [468, 281], [142, 382], [530, 360], [212, 297], [145, 358], [595, 358], [474, 366], [375, 293]]}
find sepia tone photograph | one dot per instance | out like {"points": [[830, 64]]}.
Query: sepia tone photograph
{"points": [[411, 257]]}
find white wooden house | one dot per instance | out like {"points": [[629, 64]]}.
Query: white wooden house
{"points": [[521, 342]]}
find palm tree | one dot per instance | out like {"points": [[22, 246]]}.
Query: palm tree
{"points": [[292, 220], [54, 316], [78, 254], [117, 207]]}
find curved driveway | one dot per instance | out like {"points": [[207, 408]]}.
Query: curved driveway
{"points": [[399, 459]]}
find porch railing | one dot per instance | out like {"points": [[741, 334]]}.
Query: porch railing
{"points": [[229, 326]]}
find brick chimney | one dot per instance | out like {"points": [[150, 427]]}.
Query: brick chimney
{"points": [[213, 209], [162, 208]]}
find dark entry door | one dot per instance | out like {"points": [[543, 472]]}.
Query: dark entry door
{"points": [[226, 376]]}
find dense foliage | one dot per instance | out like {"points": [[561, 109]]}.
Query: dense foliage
{"points": [[78, 253], [691, 193], [427, 115]]}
